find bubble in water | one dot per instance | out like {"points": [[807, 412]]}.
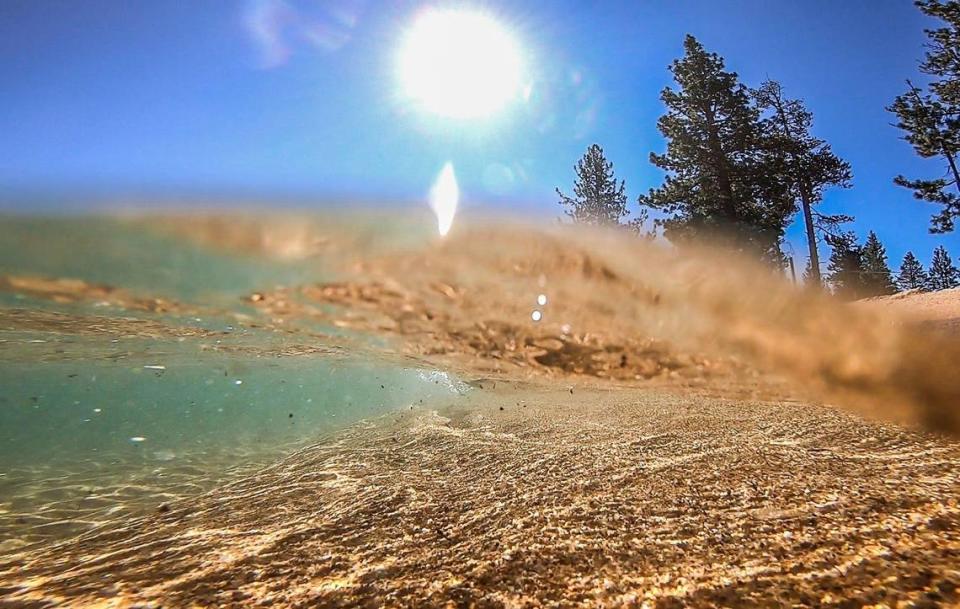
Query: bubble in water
{"points": [[542, 299], [443, 379], [536, 316]]}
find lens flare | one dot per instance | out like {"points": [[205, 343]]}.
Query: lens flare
{"points": [[444, 197]]}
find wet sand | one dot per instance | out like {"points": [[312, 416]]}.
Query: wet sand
{"points": [[592, 498]]}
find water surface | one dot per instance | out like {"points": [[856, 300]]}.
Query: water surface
{"points": [[134, 371]]}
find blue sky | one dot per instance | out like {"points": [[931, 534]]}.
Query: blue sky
{"points": [[122, 99]]}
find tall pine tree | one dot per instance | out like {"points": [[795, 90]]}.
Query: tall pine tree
{"points": [[877, 278], [598, 198], [911, 275], [807, 163], [845, 268], [718, 183], [807, 277], [931, 117], [943, 275]]}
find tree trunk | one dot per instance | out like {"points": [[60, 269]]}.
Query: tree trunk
{"points": [[811, 236], [723, 175], [953, 167], [806, 201]]}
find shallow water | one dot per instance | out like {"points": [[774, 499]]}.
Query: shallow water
{"points": [[554, 416], [145, 359], [111, 404]]}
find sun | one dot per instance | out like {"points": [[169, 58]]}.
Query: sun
{"points": [[459, 64]]}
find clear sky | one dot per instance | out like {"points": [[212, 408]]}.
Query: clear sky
{"points": [[300, 99]]}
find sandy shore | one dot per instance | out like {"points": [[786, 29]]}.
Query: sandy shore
{"points": [[938, 310], [589, 498]]}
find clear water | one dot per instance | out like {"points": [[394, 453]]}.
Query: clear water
{"points": [[100, 423]]}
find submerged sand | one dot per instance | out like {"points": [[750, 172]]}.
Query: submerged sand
{"points": [[590, 498], [676, 430]]}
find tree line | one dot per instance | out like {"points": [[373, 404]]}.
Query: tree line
{"points": [[861, 271], [742, 164]]}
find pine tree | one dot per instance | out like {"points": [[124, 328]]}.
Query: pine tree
{"points": [[807, 163], [845, 268], [718, 183], [808, 279], [877, 277], [598, 198], [911, 276], [808, 276], [943, 275], [931, 118]]}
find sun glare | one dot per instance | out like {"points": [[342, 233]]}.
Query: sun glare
{"points": [[459, 64]]}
